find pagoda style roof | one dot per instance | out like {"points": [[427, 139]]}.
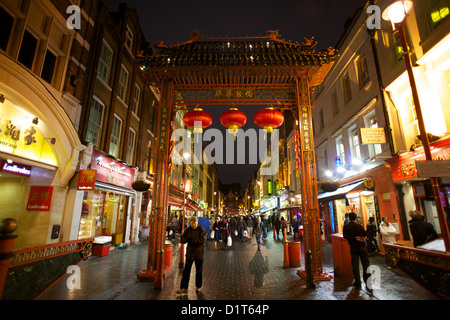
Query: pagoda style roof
{"points": [[246, 53]]}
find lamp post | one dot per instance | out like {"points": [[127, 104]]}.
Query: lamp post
{"points": [[397, 13], [186, 156]]}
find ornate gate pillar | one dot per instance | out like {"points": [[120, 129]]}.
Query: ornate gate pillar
{"points": [[158, 218], [308, 176]]}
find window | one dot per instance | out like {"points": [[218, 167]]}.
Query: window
{"points": [[129, 37], [115, 136], [334, 103], [411, 116], [95, 122], [6, 24], [130, 146], [438, 10], [104, 63], [340, 152], [49, 66], [28, 49], [363, 72], [354, 142], [346, 88], [136, 99], [123, 83]]}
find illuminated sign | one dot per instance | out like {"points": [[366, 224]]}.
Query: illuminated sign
{"points": [[16, 168], [188, 185], [21, 137], [372, 135], [112, 171], [86, 179]]}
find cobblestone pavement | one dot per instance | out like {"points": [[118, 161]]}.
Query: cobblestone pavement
{"points": [[239, 272]]}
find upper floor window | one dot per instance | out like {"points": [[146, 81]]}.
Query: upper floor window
{"points": [[136, 99], [95, 122], [340, 152], [346, 88], [28, 49], [6, 25], [334, 103], [130, 146], [104, 63], [115, 136], [371, 122], [438, 10], [123, 83], [129, 37], [354, 142], [363, 72]]}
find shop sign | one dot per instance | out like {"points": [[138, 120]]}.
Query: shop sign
{"points": [[15, 168], [86, 179], [188, 185], [435, 168], [372, 135], [404, 167], [20, 135], [40, 198], [111, 171]]}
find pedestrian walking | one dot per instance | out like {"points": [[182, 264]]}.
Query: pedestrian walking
{"points": [[356, 237], [264, 226], [224, 232], [277, 226], [242, 226], [387, 231], [195, 237], [250, 225], [421, 230], [258, 232], [217, 235], [284, 226], [294, 226], [371, 230]]}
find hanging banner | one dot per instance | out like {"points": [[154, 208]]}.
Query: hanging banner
{"points": [[40, 198]]}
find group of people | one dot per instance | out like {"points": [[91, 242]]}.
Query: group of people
{"points": [[361, 240]]}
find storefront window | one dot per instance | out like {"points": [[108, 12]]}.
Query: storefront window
{"points": [[91, 214]]}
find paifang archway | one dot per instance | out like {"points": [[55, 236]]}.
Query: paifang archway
{"points": [[242, 71]]}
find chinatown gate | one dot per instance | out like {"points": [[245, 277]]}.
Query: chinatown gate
{"points": [[235, 71]]}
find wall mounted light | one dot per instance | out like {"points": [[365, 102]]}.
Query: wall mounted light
{"points": [[35, 121]]}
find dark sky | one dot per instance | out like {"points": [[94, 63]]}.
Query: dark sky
{"points": [[171, 21]]}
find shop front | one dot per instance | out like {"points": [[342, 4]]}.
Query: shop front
{"points": [[39, 151], [108, 199], [414, 189]]}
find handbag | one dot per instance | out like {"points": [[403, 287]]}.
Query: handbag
{"points": [[211, 235], [229, 241], [235, 233], [245, 233]]}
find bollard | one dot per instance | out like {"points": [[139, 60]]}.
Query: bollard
{"points": [[7, 227], [286, 252], [309, 273]]}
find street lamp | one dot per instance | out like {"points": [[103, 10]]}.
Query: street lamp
{"points": [[397, 13], [186, 156]]}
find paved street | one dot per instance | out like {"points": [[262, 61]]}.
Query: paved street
{"points": [[237, 273]]}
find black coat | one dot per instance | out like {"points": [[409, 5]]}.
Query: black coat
{"points": [[353, 230], [195, 239], [422, 231]]}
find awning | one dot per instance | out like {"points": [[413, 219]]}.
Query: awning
{"points": [[174, 201], [192, 207], [289, 208], [340, 192]]}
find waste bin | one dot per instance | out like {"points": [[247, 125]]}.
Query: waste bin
{"points": [[294, 254], [101, 246], [168, 254]]}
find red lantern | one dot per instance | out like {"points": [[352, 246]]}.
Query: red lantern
{"points": [[233, 119], [268, 119], [197, 119]]}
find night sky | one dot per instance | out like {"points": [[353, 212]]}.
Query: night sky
{"points": [[171, 21]]}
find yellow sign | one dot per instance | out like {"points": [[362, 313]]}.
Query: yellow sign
{"points": [[372, 135], [20, 136]]}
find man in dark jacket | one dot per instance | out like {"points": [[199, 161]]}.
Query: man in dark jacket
{"points": [[421, 230], [356, 237], [195, 237]]}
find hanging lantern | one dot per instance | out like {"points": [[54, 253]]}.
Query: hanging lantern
{"points": [[233, 119], [200, 116], [268, 119]]}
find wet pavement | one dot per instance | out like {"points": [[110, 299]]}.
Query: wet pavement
{"points": [[238, 273]]}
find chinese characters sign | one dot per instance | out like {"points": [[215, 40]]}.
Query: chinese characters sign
{"points": [[86, 180], [40, 198], [233, 94], [372, 135]]}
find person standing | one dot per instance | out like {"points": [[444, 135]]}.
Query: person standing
{"points": [[294, 226], [241, 228], [355, 235], [421, 230], [264, 227], [258, 232], [195, 237], [277, 226], [250, 225], [224, 232], [217, 235], [371, 231], [387, 231], [283, 226]]}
